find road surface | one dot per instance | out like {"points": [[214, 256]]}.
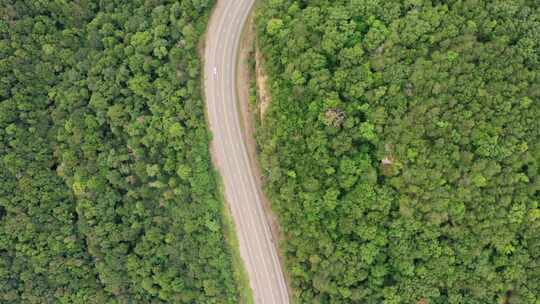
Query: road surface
{"points": [[242, 192]]}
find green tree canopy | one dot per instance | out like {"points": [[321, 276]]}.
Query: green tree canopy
{"points": [[412, 131]]}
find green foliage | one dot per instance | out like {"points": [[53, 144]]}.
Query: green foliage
{"points": [[401, 148], [106, 193]]}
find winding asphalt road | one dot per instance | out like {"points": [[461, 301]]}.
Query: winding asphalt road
{"points": [[242, 192]]}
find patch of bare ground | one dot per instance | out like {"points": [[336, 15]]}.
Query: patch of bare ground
{"points": [[263, 97]]}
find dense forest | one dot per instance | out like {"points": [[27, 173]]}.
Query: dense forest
{"points": [[401, 149], [106, 189]]}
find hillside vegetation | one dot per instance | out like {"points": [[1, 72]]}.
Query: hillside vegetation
{"points": [[401, 149], [106, 189]]}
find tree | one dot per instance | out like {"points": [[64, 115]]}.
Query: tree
{"points": [[401, 139]]}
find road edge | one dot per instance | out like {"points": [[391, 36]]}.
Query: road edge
{"points": [[248, 126]]}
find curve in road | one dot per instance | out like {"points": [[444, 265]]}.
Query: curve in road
{"points": [[242, 192]]}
